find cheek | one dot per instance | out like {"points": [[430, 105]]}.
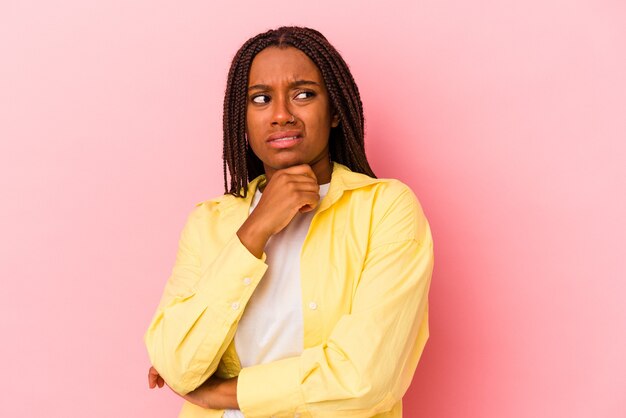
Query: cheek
{"points": [[258, 117], [316, 116], [255, 131], [322, 121], [253, 123]]}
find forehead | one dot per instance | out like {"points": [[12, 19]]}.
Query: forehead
{"points": [[274, 65]]}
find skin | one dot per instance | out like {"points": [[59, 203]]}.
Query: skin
{"points": [[275, 99], [286, 92]]}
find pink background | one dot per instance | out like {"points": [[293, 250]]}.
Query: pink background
{"points": [[507, 118]]}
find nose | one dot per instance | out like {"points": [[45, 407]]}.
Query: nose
{"points": [[281, 112]]}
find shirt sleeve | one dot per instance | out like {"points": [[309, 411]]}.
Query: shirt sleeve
{"points": [[367, 363], [201, 304]]}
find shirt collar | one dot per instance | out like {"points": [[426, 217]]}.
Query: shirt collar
{"points": [[342, 179]]}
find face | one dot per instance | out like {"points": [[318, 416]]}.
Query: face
{"points": [[288, 115]]}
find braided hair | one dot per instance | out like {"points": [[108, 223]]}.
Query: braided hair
{"points": [[346, 141]]}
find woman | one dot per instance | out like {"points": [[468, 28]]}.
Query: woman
{"points": [[302, 291]]}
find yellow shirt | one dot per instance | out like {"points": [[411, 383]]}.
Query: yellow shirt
{"points": [[366, 266]]}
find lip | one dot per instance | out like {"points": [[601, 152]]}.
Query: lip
{"points": [[284, 134], [284, 139]]}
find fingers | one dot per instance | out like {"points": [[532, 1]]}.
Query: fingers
{"points": [[154, 379], [309, 202], [295, 185], [283, 178], [299, 179], [303, 169], [151, 378], [289, 191], [311, 198]]}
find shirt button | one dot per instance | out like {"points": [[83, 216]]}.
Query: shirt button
{"points": [[312, 306], [247, 281], [235, 306]]}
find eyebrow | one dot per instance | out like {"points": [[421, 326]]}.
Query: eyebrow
{"points": [[296, 83]]}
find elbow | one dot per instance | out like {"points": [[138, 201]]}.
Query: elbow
{"points": [[382, 384], [361, 385], [370, 396], [178, 376], [372, 401], [380, 398]]}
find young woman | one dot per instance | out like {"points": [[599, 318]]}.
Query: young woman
{"points": [[303, 290]]}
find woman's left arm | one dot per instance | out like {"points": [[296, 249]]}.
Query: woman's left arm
{"points": [[215, 393], [367, 363]]}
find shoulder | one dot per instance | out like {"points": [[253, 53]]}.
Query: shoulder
{"points": [[210, 210], [227, 202], [396, 213], [382, 189], [389, 195], [214, 203], [390, 191]]}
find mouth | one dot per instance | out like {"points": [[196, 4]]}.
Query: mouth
{"points": [[287, 138], [285, 142], [284, 139]]}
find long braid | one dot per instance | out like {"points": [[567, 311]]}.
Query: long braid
{"points": [[346, 142], [333, 67], [351, 101]]}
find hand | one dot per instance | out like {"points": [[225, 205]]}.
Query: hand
{"points": [[215, 393], [154, 379], [290, 190]]}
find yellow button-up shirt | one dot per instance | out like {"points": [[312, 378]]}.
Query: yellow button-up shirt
{"points": [[366, 266]]}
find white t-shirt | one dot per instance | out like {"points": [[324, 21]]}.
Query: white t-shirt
{"points": [[271, 326]]}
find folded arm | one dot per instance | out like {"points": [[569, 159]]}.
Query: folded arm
{"points": [[196, 318], [367, 363]]}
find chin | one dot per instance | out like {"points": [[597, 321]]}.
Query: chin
{"points": [[288, 162]]}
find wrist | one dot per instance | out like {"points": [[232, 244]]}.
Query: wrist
{"points": [[253, 236], [226, 394], [232, 390]]}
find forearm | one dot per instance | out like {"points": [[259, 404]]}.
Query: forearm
{"points": [[226, 395], [253, 237], [190, 332], [215, 393], [366, 363]]}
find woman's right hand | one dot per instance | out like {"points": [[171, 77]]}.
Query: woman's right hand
{"points": [[154, 379], [289, 191]]}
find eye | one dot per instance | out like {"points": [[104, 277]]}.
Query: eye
{"points": [[260, 99], [305, 94]]}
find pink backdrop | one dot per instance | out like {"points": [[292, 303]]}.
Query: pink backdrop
{"points": [[508, 119]]}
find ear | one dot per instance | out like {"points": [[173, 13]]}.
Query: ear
{"points": [[335, 121]]}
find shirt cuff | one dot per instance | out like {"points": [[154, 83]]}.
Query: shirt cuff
{"points": [[233, 267], [267, 389]]}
